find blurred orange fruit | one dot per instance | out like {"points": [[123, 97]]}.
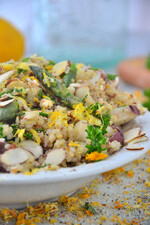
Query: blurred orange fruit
{"points": [[11, 42]]}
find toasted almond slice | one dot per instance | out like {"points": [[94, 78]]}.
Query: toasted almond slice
{"points": [[60, 68], [134, 147], [82, 91], [131, 134], [2, 104], [5, 97], [5, 76], [139, 139], [15, 83], [14, 157], [55, 157], [32, 147]]}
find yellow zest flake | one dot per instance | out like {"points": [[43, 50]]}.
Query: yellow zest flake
{"points": [[147, 183], [130, 173], [20, 133], [95, 156], [58, 116], [79, 66], [32, 172], [8, 67], [25, 78], [148, 170], [35, 135], [23, 66], [46, 78], [49, 67], [92, 120], [80, 113], [73, 144], [36, 99], [22, 99]]}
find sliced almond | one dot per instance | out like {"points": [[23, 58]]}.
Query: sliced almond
{"points": [[5, 76], [14, 157], [55, 157], [2, 104], [32, 147], [4, 97], [60, 68], [134, 147], [139, 139], [82, 91], [80, 133], [131, 134], [15, 83]]}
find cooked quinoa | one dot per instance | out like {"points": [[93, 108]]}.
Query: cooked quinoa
{"points": [[60, 115]]}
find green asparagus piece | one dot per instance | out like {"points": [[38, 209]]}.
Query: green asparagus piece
{"points": [[71, 76], [8, 113], [56, 87]]}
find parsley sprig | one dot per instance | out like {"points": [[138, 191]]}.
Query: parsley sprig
{"points": [[111, 76], [96, 110], [97, 139], [89, 207]]}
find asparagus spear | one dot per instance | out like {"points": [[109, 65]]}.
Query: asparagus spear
{"points": [[71, 76], [55, 86], [8, 112]]}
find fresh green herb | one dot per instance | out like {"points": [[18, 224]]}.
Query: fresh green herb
{"points": [[147, 104], [95, 110], [1, 131], [39, 130], [92, 68], [19, 90], [148, 62], [71, 76], [26, 59], [51, 62], [147, 92], [84, 99], [20, 114], [43, 114], [14, 127], [29, 136], [111, 76], [44, 165], [6, 92], [97, 139], [20, 70], [89, 207], [40, 93]]}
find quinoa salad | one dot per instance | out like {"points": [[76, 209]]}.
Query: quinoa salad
{"points": [[64, 114]]}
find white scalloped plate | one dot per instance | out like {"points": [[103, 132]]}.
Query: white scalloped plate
{"points": [[18, 189]]}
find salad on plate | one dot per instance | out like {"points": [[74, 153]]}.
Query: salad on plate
{"points": [[64, 114]]}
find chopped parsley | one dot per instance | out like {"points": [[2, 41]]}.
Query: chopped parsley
{"points": [[26, 59], [1, 131], [40, 93], [20, 70], [43, 114], [20, 114], [44, 165], [97, 139], [95, 110], [14, 127], [51, 62], [29, 136], [92, 68], [84, 99], [6, 92], [39, 130], [111, 76], [147, 102], [148, 62], [89, 207]]}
